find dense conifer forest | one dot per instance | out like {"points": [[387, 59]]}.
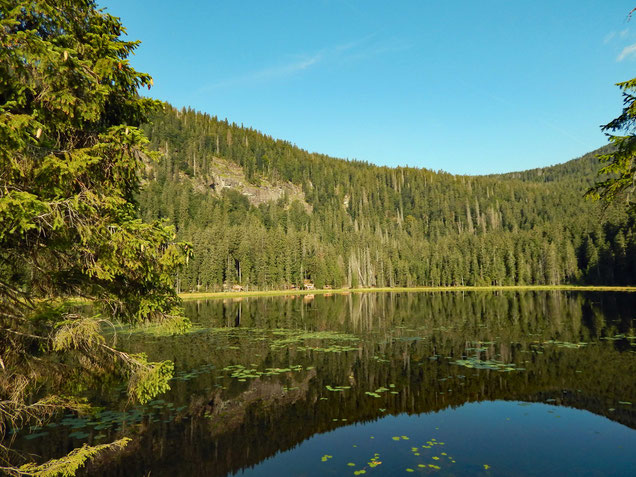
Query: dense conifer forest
{"points": [[294, 215]]}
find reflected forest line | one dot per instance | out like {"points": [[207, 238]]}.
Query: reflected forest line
{"points": [[259, 376]]}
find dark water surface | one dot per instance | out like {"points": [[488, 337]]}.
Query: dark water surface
{"points": [[529, 383]]}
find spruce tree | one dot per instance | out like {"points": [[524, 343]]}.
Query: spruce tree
{"points": [[71, 155], [620, 163]]}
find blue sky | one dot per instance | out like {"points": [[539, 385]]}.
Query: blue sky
{"points": [[469, 87]]}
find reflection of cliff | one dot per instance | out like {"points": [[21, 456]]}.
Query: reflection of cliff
{"points": [[227, 415], [193, 448], [241, 426], [409, 341]]}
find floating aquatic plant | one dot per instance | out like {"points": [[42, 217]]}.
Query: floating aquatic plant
{"points": [[492, 364]]}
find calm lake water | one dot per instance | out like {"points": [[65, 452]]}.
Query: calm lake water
{"points": [[488, 384]]}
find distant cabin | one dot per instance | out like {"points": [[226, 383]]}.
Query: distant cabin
{"points": [[308, 285], [237, 288]]}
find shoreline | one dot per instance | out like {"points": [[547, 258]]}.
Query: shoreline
{"points": [[340, 291]]}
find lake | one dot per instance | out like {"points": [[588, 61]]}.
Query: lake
{"points": [[445, 383]]}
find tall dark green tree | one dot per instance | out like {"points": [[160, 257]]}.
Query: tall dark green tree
{"points": [[70, 161]]}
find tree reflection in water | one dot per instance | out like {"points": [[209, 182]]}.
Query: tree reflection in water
{"points": [[261, 375]]}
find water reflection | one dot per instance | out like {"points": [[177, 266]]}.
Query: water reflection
{"points": [[260, 376]]}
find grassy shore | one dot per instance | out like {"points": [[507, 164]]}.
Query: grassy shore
{"points": [[199, 296]]}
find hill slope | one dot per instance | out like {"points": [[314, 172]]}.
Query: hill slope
{"points": [[582, 171], [264, 213]]}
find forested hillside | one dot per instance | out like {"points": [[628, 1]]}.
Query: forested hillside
{"points": [[580, 172], [265, 214]]}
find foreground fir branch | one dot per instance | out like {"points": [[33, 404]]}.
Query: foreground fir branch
{"points": [[67, 465], [70, 160], [619, 166]]}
